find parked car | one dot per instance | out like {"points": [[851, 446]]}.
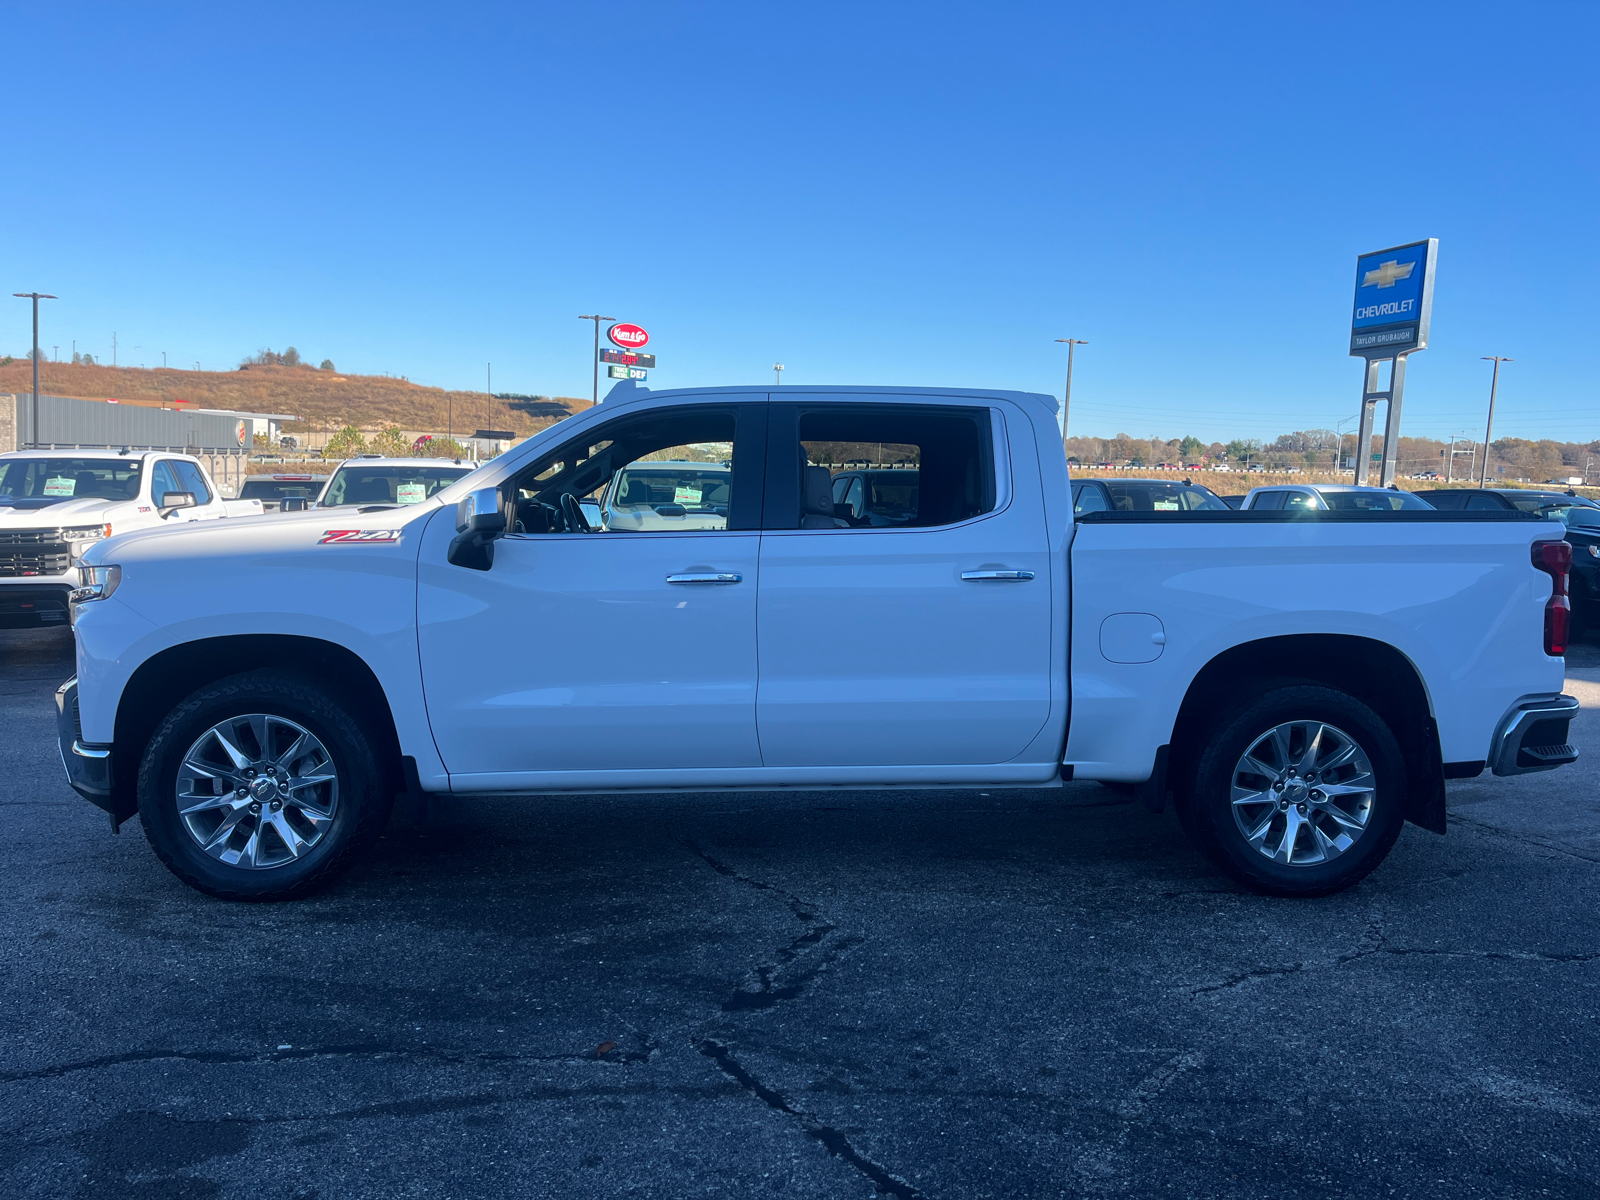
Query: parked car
{"points": [[1331, 497], [273, 490], [1526, 499], [876, 496], [55, 504], [372, 479], [667, 495], [1143, 495]]}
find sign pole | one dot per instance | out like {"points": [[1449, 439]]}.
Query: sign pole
{"points": [[1494, 383]]}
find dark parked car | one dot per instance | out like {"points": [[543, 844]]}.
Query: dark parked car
{"points": [[1527, 499], [1143, 495], [273, 490]]}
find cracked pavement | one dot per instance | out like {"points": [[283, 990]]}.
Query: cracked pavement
{"points": [[940, 995]]}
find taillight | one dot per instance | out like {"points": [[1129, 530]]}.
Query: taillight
{"points": [[1555, 560]]}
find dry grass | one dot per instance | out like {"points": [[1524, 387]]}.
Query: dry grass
{"points": [[324, 399]]}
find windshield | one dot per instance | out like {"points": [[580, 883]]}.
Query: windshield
{"points": [[52, 480], [1155, 496], [1374, 501], [688, 486], [386, 483], [281, 489]]}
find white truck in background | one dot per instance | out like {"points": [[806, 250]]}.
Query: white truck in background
{"points": [[1298, 684], [55, 504]]}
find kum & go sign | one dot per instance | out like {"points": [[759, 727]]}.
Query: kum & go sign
{"points": [[629, 337]]}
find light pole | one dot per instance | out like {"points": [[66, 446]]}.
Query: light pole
{"points": [[1066, 400], [594, 395], [1494, 383], [777, 374], [35, 297], [1338, 444]]}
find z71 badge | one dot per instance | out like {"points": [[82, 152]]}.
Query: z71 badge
{"points": [[331, 536]]}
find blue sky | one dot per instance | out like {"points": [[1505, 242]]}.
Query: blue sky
{"points": [[870, 193]]}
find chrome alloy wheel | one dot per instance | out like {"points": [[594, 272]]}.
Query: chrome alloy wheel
{"points": [[257, 791], [1302, 793]]}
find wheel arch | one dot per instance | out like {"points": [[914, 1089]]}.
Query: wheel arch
{"points": [[1374, 672], [163, 680]]}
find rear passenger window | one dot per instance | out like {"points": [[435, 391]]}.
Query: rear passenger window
{"points": [[1479, 502], [910, 468], [1300, 500], [1266, 500]]}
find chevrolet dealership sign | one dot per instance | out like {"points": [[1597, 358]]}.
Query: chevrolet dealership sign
{"points": [[1394, 297]]}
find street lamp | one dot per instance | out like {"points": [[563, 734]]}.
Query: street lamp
{"points": [[1066, 401], [35, 297], [1338, 444], [777, 374], [1494, 382], [594, 396]]}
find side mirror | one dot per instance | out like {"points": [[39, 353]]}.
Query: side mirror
{"points": [[173, 501], [293, 504], [479, 521]]}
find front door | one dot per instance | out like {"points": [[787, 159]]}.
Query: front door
{"points": [[912, 628], [613, 655]]}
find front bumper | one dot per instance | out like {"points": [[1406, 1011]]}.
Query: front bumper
{"points": [[25, 605], [1532, 736], [88, 767]]}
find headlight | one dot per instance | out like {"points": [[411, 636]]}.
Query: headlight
{"points": [[80, 537], [96, 583]]}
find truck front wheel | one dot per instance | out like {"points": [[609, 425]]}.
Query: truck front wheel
{"points": [[1298, 793], [261, 786]]}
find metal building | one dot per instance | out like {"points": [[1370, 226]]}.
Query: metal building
{"points": [[222, 437]]}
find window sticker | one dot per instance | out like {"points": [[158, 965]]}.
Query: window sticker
{"points": [[411, 493], [686, 495], [60, 485], [1166, 505]]}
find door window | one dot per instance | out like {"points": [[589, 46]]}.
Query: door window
{"points": [[1266, 501], [1300, 501], [162, 481], [191, 479], [911, 467], [679, 470]]}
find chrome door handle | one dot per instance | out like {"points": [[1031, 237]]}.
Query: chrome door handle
{"points": [[1002, 576], [707, 577]]}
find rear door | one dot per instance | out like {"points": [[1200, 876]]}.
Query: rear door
{"points": [[922, 642]]}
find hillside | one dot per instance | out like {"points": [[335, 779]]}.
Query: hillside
{"points": [[324, 400]]}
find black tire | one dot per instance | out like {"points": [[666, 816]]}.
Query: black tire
{"points": [[364, 794], [1207, 812]]}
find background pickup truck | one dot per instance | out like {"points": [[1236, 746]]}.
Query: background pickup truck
{"points": [[1298, 684], [54, 504]]}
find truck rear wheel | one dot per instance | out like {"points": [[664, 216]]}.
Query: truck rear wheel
{"points": [[261, 786], [1299, 793]]}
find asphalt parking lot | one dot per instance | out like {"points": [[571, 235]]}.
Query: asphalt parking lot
{"points": [[943, 995]]}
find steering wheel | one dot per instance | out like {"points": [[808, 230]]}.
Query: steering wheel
{"points": [[573, 512]]}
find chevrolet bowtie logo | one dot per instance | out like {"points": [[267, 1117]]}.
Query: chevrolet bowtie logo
{"points": [[1387, 273]]}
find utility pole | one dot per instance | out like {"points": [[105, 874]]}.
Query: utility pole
{"points": [[113, 347], [1066, 400], [594, 396], [1450, 470], [1494, 383], [777, 374], [35, 297], [163, 360], [488, 386], [55, 353]]}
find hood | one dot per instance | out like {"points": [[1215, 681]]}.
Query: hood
{"points": [[30, 514], [290, 534]]}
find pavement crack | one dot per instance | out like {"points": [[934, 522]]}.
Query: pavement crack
{"points": [[832, 1139], [795, 964], [309, 1053], [1525, 839], [1244, 977]]}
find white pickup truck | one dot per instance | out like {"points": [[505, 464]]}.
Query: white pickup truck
{"points": [[1299, 684], [55, 504]]}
